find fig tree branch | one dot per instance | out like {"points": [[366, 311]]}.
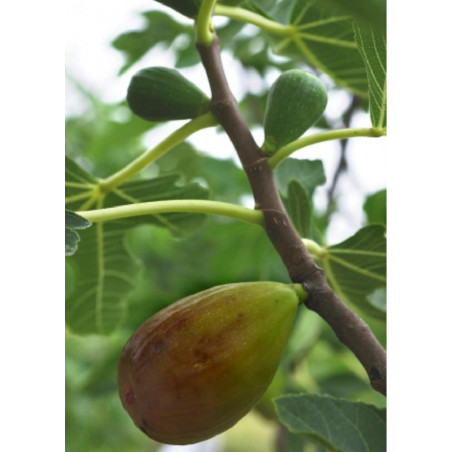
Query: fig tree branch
{"points": [[350, 329]]}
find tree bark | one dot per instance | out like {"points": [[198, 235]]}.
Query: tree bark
{"points": [[350, 329]]}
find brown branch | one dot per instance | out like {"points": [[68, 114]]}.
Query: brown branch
{"points": [[349, 328]]}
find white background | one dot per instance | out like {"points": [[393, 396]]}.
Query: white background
{"points": [[33, 50]]}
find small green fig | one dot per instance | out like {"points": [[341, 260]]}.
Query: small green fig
{"points": [[163, 94], [195, 368], [295, 102]]}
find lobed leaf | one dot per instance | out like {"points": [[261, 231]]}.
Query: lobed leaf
{"points": [[370, 12], [299, 208], [103, 271], [188, 8], [310, 173], [372, 46], [356, 268], [336, 424], [375, 207], [73, 221], [160, 28]]}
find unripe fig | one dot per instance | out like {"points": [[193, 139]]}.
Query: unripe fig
{"points": [[195, 368], [162, 94], [295, 102]]}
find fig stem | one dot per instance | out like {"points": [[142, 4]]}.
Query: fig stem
{"points": [[243, 15], [300, 292], [151, 155], [203, 25], [339, 134], [185, 205]]}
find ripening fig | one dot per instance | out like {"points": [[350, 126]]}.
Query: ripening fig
{"points": [[295, 102], [195, 368], [163, 94]]}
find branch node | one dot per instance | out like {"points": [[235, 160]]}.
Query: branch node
{"points": [[256, 166], [220, 105]]}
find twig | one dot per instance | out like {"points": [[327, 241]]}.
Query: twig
{"points": [[349, 328]]}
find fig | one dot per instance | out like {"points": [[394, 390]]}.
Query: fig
{"points": [[196, 367], [163, 94], [295, 102]]}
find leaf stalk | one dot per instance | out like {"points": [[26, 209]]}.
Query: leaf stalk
{"points": [[171, 206], [150, 156], [203, 27], [339, 134]]}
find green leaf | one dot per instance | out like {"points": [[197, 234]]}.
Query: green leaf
{"points": [[299, 207], [73, 221], [160, 29], [71, 241], [188, 8], [357, 267], [338, 425], [378, 298], [103, 270], [372, 46], [375, 207], [324, 39], [370, 12], [104, 274], [309, 173], [260, 6]]}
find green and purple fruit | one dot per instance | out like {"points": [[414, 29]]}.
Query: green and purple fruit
{"points": [[198, 366]]}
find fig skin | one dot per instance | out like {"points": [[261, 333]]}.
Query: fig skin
{"points": [[163, 94], [198, 366], [295, 102]]}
